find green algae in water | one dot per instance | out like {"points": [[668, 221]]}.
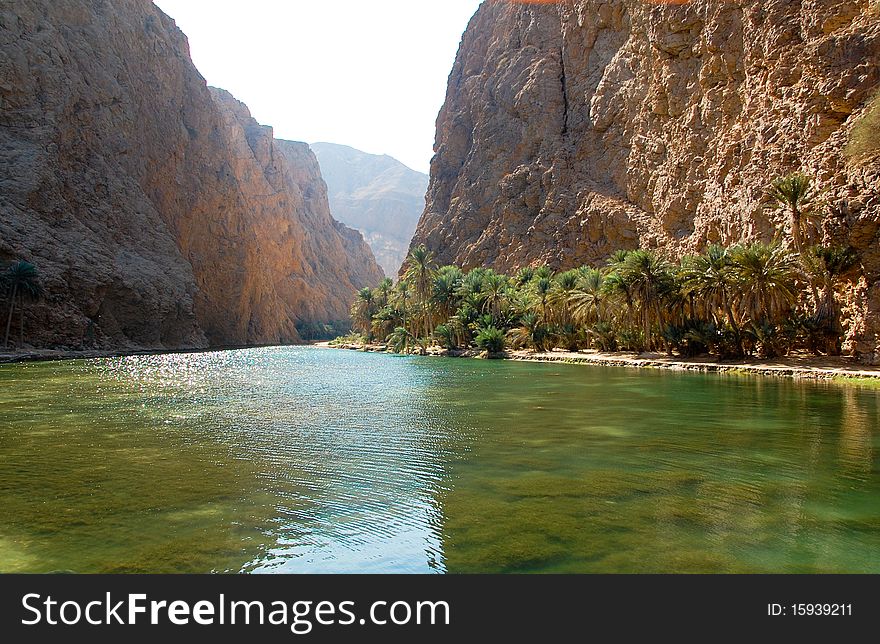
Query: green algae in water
{"points": [[309, 460]]}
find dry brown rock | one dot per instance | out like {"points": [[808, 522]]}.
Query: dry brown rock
{"points": [[377, 195], [154, 207], [573, 129]]}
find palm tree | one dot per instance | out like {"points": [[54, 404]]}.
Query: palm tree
{"points": [[401, 300], [400, 339], [494, 291], [23, 282], [616, 284], [587, 301], [617, 287], [520, 300], [524, 275], [649, 280], [618, 258], [765, 275], [362, 312], [543, 286], [825, 265], [796, 195], [564, 286], [447, 284], [603, 337], [383, 291], [709, 279], [472, 284], [490, 339], [420, 270], [446, 336], [531, 332], [384, 322], [746, 293], [462, 322]]}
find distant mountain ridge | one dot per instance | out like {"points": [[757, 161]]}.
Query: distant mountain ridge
{"points": [[376, 194]]}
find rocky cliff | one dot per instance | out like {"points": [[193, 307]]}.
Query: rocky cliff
{"points": [[575, 128], [377, 195], [159, 213]]}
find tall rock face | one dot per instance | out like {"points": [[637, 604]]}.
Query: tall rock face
{"points": [[311, 263], [377, 195], [575, 128], [157, 211]]}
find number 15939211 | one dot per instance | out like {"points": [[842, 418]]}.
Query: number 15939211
{"points": [[810, 610]]}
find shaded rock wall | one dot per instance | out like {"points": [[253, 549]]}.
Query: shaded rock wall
{"points": [[158, 212]]}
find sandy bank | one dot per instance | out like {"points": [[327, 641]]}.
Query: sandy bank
{"points": [[795, 366]]}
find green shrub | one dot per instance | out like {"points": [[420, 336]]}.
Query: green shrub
{"points": [[445, 336], [491, 339], [351, 338], [569, 337], [531, 332], [400, 340], [603, 337]]}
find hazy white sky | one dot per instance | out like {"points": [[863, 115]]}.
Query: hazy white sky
{"points": [[367, 73]]}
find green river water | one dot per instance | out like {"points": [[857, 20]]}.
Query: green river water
{"points": [[315, 460]]}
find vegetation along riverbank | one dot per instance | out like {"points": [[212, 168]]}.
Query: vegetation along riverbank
{"points": [[767, 306]]}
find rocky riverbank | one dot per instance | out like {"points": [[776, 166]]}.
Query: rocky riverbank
{"points": [[802, 367]]}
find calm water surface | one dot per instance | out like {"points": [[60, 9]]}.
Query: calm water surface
{"points": [[311, 460]]}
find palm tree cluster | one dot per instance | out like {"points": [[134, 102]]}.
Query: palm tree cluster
{"points": [[759, 298], [19, 282]]}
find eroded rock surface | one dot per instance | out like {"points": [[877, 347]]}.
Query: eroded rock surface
{"points": [[159, 213], [577, 128]]}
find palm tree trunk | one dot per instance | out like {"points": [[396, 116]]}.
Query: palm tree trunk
{"points": [[425, 318], [428, 330], [737, 333], [830, 304], [630, 310], [833, 343], [733, 325], [21, 326], [816, 298], [658, 310], [405, 335], [9, 319], [796, 230]]}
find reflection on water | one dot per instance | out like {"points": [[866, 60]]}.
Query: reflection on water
{"points": [[309, 460]]}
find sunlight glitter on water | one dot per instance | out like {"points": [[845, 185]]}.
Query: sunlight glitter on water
{"points": [[310, 460]]}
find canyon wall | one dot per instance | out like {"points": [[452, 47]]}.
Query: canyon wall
{"points": [[159, 213], [575, 128]]}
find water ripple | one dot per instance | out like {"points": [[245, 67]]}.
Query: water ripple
{"points": [[307, 460]]}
